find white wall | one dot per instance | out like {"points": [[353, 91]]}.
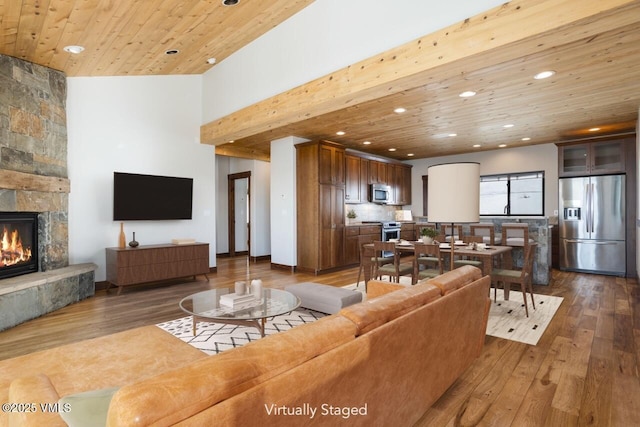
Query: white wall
{"points": [[283, 201], [542, 157], [325, 36], [147, 125]]}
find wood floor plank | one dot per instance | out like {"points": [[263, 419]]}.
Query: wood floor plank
{"points": [[583, 371], [595, 408]]}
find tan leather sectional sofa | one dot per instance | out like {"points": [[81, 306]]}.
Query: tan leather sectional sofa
{"points": [[381, 362]]}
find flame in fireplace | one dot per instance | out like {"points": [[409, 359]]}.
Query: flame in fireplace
{"points": [[12, 251]]}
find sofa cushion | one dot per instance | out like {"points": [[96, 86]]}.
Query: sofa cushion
{"points": [[378, 311], [174, 396], [33, 390], [86, 409], [455, 279]]}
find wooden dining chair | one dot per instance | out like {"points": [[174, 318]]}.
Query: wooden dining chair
{"points": [[394, 269], [485, 229], [466, 260], [515, 234], [367, 261], [523, 277], [427, 256], [457, 231]]}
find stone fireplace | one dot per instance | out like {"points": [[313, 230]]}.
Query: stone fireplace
{"points": [[33, 179]]}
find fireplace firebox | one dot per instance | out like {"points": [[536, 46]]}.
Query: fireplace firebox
{"points": [[18, 243]]}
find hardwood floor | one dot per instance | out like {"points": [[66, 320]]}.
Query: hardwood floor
{"points": [[583, 372]]}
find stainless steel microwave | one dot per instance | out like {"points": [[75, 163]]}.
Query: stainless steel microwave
{"points": [[380, 193]]}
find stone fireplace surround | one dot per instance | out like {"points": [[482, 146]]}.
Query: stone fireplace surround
{"points": [[33, 178]]}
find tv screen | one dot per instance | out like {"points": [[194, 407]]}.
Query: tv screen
{"points": [[151, 197]]}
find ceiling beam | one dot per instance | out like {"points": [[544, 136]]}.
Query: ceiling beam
{"points": [[243, 153], [408, 66]]}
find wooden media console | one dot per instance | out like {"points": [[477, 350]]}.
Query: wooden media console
{"points": [[152, 263]]}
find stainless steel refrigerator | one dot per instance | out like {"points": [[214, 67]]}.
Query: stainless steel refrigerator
{"points": [[592, 224]]}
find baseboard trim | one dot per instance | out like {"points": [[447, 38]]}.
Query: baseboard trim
{"points": [[260, 258], [291, 268]]}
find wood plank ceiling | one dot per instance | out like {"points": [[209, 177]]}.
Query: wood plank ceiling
{"points": [[496, 54], [130, 37]]}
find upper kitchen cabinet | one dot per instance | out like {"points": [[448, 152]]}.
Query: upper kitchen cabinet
{"points": [[357, 179], [331, 163], [378, 172], [401, 184], [592, 158]]}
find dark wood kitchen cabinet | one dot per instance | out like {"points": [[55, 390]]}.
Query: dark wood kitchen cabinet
{"points": [[356, 179], [356, 236], [331, 164], [362, 170], [592, 158], [320, 174], [377, 172], [400, 182]]}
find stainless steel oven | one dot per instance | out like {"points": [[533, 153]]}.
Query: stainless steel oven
{"points": [[390, 230]]}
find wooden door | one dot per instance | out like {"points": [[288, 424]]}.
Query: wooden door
{"points": [[332, 228]]}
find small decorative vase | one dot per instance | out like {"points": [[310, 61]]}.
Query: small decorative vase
{"points": [[122, 242], [427, 240], [134, 243]]}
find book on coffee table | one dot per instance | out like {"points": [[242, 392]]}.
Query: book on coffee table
{"points": [[235, 300]]}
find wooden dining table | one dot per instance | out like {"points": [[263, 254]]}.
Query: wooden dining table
{"points": [[492, 254]]}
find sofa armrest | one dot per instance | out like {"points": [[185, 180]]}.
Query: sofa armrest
{"points": [[41, 397], [376, 288]]}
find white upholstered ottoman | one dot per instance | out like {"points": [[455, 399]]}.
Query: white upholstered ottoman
{"points": [[324, 298]]}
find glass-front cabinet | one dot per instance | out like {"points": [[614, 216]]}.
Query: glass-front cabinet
{"points": [[592, 158]]}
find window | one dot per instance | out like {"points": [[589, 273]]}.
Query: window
{"points": [[512, 194]]}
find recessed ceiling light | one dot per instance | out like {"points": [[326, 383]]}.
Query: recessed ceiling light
{"points": [[544, 75], [73, 49], [230, 2], [453, 134], [410, 155], [366, 143], [526, 139], [211, 61], [232, 141], [399, 110], [392, 149], [508, 126], [467, 94], [477, 145], [340, 132], [171, 51], [502, 145], [594, 129]]}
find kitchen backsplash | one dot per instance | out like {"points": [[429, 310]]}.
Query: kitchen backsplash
{"points": [[373, 212]]}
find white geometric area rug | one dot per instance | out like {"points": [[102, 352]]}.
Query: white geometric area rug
{"points": [[214, 338], [507, 319]]}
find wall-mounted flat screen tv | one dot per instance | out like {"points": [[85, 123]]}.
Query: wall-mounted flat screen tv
{"points": [[151, 197]]}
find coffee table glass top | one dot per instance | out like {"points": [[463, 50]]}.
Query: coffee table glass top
{"points": [[206, 304]]}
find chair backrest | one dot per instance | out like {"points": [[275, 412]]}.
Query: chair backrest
{"points": [[426, 250], [446, 229], [485, 229], [515, 234], [472, 239], [380, 248]]}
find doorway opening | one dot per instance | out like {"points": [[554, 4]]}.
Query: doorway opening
{"points": [[239, 185]]}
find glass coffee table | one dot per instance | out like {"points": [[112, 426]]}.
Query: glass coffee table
{"points": [[205, 307]]}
